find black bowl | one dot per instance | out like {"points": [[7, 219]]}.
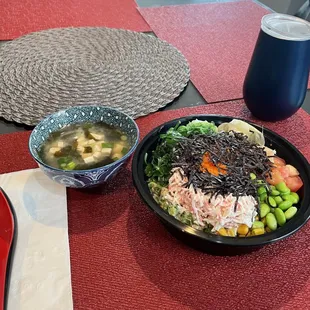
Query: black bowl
{"points": [[210, 242]]}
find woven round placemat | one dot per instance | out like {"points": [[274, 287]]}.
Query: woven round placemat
{"points": [[46, 71]]}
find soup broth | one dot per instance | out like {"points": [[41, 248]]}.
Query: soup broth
{"points": [[84, 146]]}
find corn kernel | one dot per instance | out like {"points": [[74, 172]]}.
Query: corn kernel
{"points": [[243, 229], [231, 232], [258, 231], [222, 231]]}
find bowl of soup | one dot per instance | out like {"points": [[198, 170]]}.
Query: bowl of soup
{"points": [[83, 146]]}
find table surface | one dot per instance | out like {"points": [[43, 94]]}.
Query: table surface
{"points": [[189, 97]]}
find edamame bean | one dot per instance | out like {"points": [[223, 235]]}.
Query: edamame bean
{"points": [[264, 210], [258, 224], [278, 199], [272, 210], [286, 193], [296, 197], [284, 205], [261, 190], [271, 221], [274, 192], [289, 213], [285, 197], [281, 187], [252, 176], [279, 214], [263, 197], [272, 202], [288, 197]]}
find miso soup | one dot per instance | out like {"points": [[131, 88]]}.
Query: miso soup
{"points": [[84, 146]]}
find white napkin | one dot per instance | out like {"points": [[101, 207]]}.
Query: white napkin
{"points": [[40, 277]]}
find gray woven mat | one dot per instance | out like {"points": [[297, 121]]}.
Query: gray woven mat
{"points": [[49, 70]]}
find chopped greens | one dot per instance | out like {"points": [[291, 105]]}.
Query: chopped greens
{"points": [[66, 163], [107, 145], [197, 127], [64, 160], [71, 165], [124, 150]]}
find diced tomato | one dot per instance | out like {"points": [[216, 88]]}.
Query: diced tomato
{"points": [[293, 183], [276, 177], [278, 162], [292, 170], [285, 172]]}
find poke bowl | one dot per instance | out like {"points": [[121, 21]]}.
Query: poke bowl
{"points": [[83, 146], [223, 185]]}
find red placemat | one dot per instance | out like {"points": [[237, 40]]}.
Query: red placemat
{"points": [[123, 258], [217, 39], [22, 17]]}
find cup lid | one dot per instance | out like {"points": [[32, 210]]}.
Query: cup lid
{"points": [[286, 27]]}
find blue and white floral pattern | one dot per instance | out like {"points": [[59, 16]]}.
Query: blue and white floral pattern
{"points": [[80, 180], [68, 181], [79, 114]]}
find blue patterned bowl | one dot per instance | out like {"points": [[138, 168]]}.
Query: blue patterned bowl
{"points": [[79, 114]]}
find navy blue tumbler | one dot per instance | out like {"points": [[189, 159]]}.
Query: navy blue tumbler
{"points": [[276, 81]]}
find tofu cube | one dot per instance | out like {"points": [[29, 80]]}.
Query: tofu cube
{"points": [[53, 150], [97, 148], [118, 148], [97, 136], [85, 155], [81, 140], [91, 141], [89, 160], [118, 156], [106, 151], [80, 148], [98, 155]]}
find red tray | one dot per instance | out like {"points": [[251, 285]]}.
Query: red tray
{"points": [[7, 234]]}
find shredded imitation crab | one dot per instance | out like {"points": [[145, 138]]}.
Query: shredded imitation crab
{"points": [[217, 210]]}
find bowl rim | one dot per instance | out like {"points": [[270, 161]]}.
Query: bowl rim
{"points": [[132, 149], [281, 233]]}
